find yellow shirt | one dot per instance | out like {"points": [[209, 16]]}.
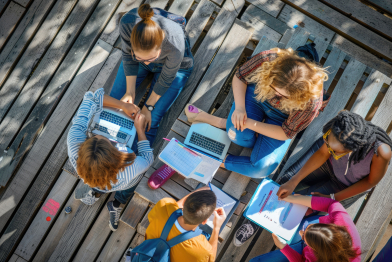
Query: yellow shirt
{"points": [[194, 249]]}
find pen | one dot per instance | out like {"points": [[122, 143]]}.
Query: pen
{"points": [[184, 147], [166, 139]]}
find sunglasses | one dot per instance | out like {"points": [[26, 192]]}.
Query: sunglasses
{"points": [[330, 150], [279, 92], [144, 60]]}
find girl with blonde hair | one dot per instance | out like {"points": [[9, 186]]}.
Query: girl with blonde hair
{"points": [[277, 94]]}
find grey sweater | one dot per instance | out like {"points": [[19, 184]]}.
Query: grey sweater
{"points": [[172, 54]]}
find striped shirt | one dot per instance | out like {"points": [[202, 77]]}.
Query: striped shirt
{"points": [[131, 175], [298, 120]]}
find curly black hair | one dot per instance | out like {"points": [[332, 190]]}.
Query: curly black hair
{"points": [[356, 134]]}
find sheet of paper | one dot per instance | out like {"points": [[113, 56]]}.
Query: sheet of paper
{"points": [[223, 200], [179, 158], [279, 217], [206, 169]]}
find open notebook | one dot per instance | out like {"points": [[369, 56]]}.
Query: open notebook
{"points": [[279, 217], [189, 163]]}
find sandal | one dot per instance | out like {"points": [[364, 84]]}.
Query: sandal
{"points": [[191, 112]]}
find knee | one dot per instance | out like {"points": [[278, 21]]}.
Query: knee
{"points": [[245, 138], [261, 168]]}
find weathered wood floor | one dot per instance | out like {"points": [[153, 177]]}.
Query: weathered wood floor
{"points": [[53, 51]]}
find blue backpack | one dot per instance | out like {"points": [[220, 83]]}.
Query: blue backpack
{"points": [[158, 249]]}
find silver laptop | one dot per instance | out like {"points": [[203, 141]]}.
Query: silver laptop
{"points": [[209, 140], [115, 125]]}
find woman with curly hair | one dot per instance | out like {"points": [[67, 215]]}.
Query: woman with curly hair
{"points": [[344, 164], [276, 95], [103, 165]]}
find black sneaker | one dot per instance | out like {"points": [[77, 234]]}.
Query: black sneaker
{"points": [[114, 215], [245, 232]]}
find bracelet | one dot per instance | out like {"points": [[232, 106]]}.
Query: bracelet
{"points": [[332, 196]]}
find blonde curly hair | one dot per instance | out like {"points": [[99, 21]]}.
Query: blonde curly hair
{"points": [[302, 79]]}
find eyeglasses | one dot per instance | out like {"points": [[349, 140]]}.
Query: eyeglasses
{"points": [[330, 150], [278, 92], [144, 60]]}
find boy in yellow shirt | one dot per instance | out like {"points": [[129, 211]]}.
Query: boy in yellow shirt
{"points": [[197, 207]]}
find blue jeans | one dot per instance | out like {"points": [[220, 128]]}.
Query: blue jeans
{"points": [[267, 152], [122, 196], [297, 244], [163, 104]]}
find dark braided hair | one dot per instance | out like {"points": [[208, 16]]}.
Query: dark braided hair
{"points": [[356, 134]]}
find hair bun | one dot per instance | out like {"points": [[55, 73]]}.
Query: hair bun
{"points": [[145, 12]]}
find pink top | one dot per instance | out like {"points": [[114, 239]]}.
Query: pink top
{"points": [[336, 215]]}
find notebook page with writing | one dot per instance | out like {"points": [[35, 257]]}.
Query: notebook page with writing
{"points": [[179, 158], [222, 200]]}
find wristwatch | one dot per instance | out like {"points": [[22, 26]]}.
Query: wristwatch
{"points": [[150, 108]]}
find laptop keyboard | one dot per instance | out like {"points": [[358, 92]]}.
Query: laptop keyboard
{"points": [[207, 143], [112, 118], [105, 130]]}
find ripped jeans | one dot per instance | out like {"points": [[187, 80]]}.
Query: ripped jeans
{"points": [[267, 152]]}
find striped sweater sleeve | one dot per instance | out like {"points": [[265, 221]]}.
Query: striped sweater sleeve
{"points": [[92, 103]]}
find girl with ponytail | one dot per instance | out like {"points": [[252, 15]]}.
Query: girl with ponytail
{"points": [[152, 43]]}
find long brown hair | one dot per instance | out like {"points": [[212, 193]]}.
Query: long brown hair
{"points": [[146, 35], [99, 162], [301, 78], [330, 242]]}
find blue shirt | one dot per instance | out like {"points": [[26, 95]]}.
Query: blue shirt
{"points": [[131, 175]]}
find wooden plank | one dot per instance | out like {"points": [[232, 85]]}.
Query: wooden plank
{"points": [[76, 230], [111, 33], [56, 87], [148, 194], [137, 240], [15, 258], [96, 237], [360, 12], [3, 4], [199, 20], [333, 63], [369, 92], [263, 45], [23, 3], [20, 220], [321, 45], [46, 217], [59, 47], [58, 229], [345, 26], [23, 34], [249, 191], [8, 21], [255, 18], [180, 7], [386, 5], [117, 244], [299, 38], [157, 3], [362, 55], [134, 211], [265, 18], [54, 129], [264, 244], [208, 47], [294, 17], [142, 226], [221, 66], [339, 99], [353, 210], [272, 7]]}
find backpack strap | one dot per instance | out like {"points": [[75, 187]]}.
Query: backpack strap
{"points": [[169, 223], [183, 237]]}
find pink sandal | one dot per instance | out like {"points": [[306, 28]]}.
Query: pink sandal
{"points": [[160, 176], [191, 112]]}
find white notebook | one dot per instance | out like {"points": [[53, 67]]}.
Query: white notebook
{"points": [[188, 162]]}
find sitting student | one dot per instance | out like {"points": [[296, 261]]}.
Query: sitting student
{"points": [[197, 207], [333, 237], [276, 95], [351, 158], [152, 43], [102, 166]]}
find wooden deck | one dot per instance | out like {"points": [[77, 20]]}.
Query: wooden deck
{"points": [[53, 51]]}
